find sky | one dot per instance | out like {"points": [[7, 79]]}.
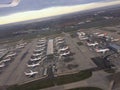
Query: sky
{"points": [[22, 10], [5, 1]]}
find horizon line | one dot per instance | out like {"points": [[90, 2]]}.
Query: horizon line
{"points": [[53, 11]]}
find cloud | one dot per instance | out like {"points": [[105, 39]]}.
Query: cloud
{"points": [[53, 11]]}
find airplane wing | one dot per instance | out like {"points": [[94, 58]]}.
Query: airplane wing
{"points": [[11, 4]]}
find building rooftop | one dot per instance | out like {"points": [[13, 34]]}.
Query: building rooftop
{"points": [[50, 47], [115, 46]]}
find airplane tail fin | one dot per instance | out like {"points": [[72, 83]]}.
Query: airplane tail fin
{"points": [[31, 71], [25, 73], [105, 33], [27, 65], [96, 50], [87, 43]]}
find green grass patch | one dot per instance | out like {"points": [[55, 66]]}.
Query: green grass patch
{"points": [[118, 33], [35, 85], [73, 35], [45, 83], [73, 77], [109, 30], [79, 43], [86, 88], [110, 70], [112, 30]]}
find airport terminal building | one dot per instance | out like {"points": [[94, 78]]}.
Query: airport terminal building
{"points": [[50, 49], [115, 47]]}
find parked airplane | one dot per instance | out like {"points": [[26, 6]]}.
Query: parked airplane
{"points": [[41, 43], [42, 40], [96, 33], [37, 54], [1, 50], [20, 46], [43, 48], [92, 44], [81, 33], [33, 65], [31, 73], [59, 39], [23, 44], [101, 35], [6, 60], [83, 38], [39, 50], [11, 55], [40, 46], [102, 50], [63, 49], [60, 42], [115, 40], [43, 58], [64, 54], [36, 59], [2, 65]]}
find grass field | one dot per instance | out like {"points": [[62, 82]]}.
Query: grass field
{"points": [[86, 88], [79, 43], [60, 80], [73, 77]]}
